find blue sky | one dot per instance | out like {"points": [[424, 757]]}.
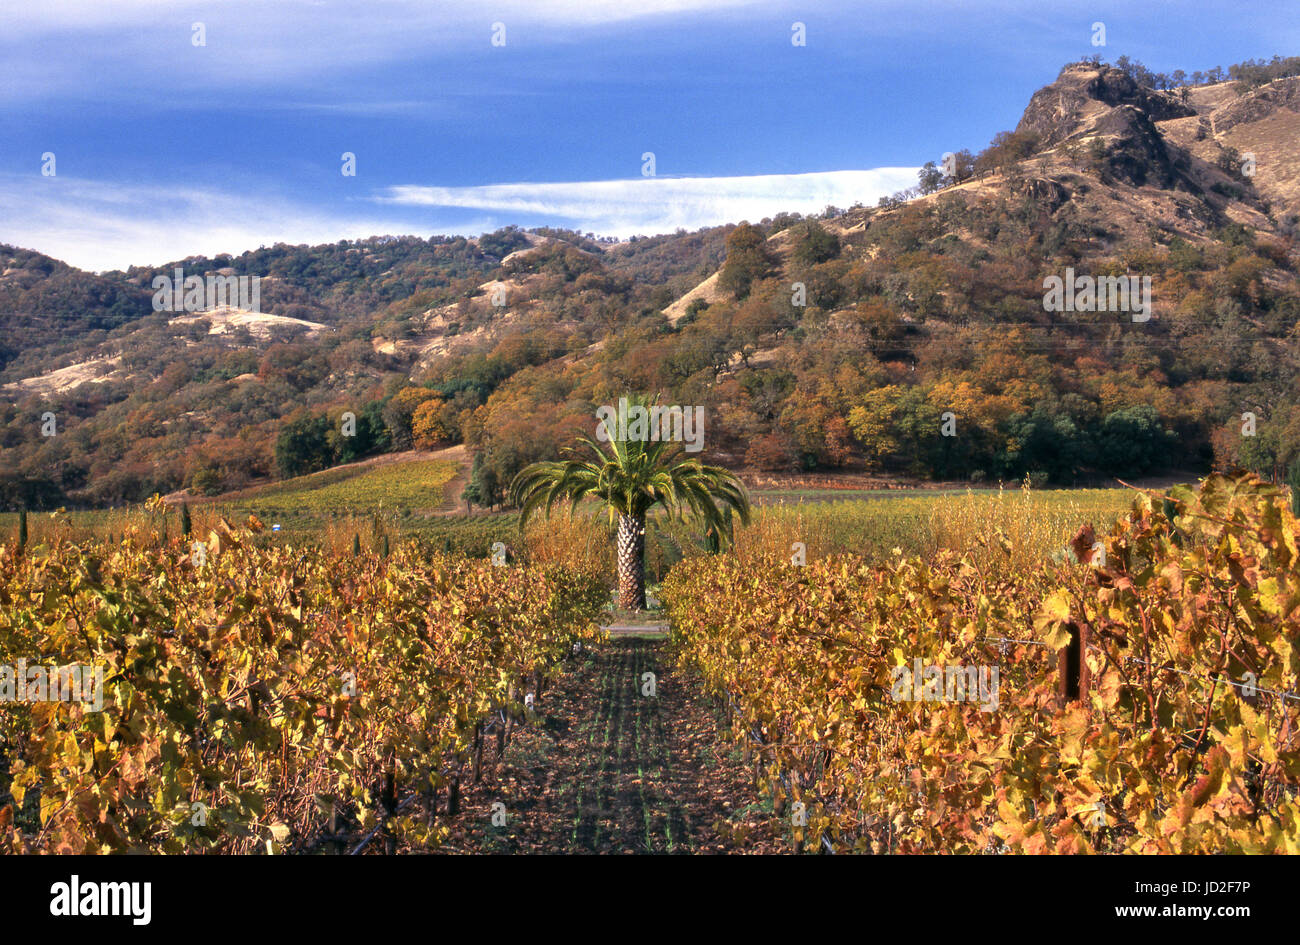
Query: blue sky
{"points": [[165, 149]]}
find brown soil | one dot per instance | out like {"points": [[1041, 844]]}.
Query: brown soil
{"points": [[605, 769]]}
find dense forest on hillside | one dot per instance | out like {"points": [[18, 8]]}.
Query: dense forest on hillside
{"points": [[842, 340]]}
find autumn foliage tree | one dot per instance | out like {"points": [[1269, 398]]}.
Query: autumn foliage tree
{"points": [[432, 425], [399, 413]]}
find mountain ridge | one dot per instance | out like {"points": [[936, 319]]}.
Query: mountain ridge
{"points": [[1100, 173]]}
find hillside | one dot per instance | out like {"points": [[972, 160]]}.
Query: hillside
{"points": [[818, 344], [934, 302], [51, 306]]}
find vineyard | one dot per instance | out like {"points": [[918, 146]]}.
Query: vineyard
{"points": [[265, 698], [1145, 701], [1136, 694], [417, 484]]}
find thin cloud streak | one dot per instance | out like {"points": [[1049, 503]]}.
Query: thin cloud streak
{"points": [[92, 15], [128, 44], [662, 204], [98, 226]]}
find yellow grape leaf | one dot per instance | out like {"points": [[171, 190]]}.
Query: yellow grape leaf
{"points": [[1056, 607], [1052, 618]]}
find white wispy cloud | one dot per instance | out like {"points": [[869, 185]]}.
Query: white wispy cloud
{"points": [[83, 15], [51, 46], [99, 226], [662, 204]]}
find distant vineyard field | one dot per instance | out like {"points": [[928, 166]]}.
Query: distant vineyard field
{"points": [[332, 507], [414, 485], [1034, 524], [328, 507]]}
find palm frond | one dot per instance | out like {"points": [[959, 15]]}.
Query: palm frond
{"points": [[631, 477]]}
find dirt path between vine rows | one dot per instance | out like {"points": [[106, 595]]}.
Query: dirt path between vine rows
{"points": [[605, 768]]}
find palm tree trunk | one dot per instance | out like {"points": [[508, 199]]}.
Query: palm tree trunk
{"points": [[631, 562]]}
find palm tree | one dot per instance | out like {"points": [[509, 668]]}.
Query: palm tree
{"points": [[631, 477]]}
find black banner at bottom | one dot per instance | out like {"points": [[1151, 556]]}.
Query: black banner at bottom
{"points": [[143, 896]]}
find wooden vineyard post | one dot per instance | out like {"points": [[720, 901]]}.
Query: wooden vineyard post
{"points": [[1073, 676], [453, 795], [389, 800], [339, 845], [389, 796], [511, 695], [1254, 786], [478, 752]]}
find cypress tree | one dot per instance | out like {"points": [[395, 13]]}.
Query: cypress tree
{"points": [[356, 546], [385, 546], [22, 529], [185, 520]]}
